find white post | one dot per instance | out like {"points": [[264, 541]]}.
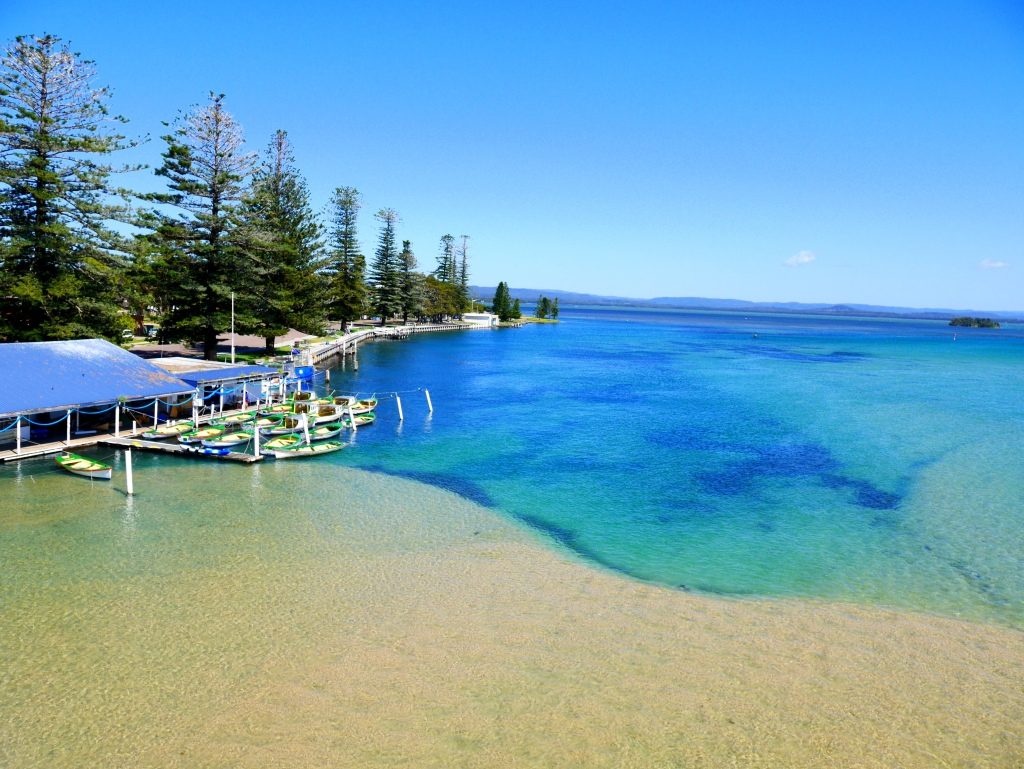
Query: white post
{"points": [[156, 412], [117, 421], [195, 408], [69, 426], [398, 400], [17, 434], [430, 406], [128, 470], [232, 329], [222, 399], [244, 392], [305, 426], [135, 427], [351, 416], [256, 439]]}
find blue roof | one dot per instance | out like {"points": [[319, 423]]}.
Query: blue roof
{"points": [[224, 374], [49, 376]]}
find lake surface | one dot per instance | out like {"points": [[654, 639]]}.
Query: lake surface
{"points": [[874, 461]]}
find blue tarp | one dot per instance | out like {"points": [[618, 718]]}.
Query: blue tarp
{"points": [[234, 373], [51, 376]]}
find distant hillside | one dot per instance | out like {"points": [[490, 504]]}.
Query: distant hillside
{"points": [[486, 293]]}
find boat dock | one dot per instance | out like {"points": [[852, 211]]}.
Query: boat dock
{"points": [[178, 448]]}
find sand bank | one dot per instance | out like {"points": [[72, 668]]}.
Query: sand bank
{"points": [[400, 635]]}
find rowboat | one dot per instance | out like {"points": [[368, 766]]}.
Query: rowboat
{"points": [[208, 450], [327, 414], [277, 408], [282, 442], [323, 432], [162, 432], [88, 468], [307, 450], [202, 434], [241, 418], [364, 406], [229, 439], [345, 400], [286, 425], [362, 420]]}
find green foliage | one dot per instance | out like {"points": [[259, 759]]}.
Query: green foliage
{"points": [[280, 233], [349, 296], [385, 271], [543, 309], [440, 299], [207, 170], [971, 322], [61, 264], [410, 283], [502, 305]]}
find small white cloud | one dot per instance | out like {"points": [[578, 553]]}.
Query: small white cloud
{"points": [[803, 257], [993, 264]]}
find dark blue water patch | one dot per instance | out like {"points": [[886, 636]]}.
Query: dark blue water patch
{"points": [[865, 494], [781, 353], [794, 459], [571, 541], [734, 480], [779, 460], [453, 483]]}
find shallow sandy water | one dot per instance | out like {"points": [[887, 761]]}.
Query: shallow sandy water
{"points": [[421, 630]]}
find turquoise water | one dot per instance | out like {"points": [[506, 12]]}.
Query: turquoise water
{"points": [[874, 461], [877, 461]]}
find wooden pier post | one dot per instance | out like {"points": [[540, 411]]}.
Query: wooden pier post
{"points": [[351, 418], [156, 412], [17, 435], [398, 400], [128, 470], [117, 421], [68, 417], [430, 406]]}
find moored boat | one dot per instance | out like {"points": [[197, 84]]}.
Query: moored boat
{"points": [[307, 450], [229, 439], [202, 434], [325, 431], [282, 442], [362, 420], [363, 406], [286, 425], [327, 414], [87, 468], [234, 420], [165, 431]]}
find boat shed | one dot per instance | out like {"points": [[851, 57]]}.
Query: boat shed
{"points": [[77, 387], [42, 377], [224, 381]]}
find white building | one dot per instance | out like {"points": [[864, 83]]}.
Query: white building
{"points": [[485, 319]]}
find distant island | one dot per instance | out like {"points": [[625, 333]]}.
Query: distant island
{"points": [[528, 295], [971, 322]]}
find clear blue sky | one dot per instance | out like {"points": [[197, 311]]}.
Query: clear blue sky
{"points": [[867, 151]]}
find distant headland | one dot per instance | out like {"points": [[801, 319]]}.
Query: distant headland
{"points": [[740, 305]]}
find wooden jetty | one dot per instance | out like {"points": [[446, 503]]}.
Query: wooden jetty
{"points": [[177, 448]]}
